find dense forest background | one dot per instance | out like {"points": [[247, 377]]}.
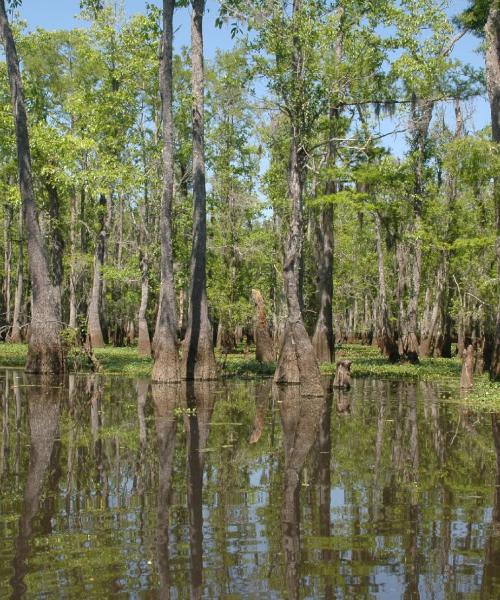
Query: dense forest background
{"points": [[310, 216]]}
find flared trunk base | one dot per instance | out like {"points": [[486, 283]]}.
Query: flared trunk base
{"points": [[323, 344], [198, 359], [166, 359], [297, 362], [45, 350]]}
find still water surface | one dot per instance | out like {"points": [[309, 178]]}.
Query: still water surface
{"points": [[111, 487]]}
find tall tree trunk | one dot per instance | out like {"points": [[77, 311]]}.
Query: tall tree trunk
{"points": [[144, 344], [15, 334], [323, 340], [409, 334], [435, 338], [7, 263], [297, 362], [166, 359], [94, 330], [492, 34], [45, 354], [384, 331], [198, 360], [72, 267]]}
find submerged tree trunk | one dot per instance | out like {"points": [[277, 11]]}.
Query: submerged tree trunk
{"points": [[94, 330], [45, 354], [492, 34], [198, 359]]}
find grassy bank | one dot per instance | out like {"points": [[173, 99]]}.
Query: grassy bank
{"points": [[367, 362]]}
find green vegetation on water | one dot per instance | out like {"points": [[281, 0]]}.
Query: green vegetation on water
{"points": [[367, 362]]}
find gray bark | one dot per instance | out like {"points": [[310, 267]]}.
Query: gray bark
{"points": [[166, 359], [198, 360], [297, 362], [492, 35], [7, 263], [412, 244], [94, 331], [45, 353], [15, 335], [72, 273], [384, 331]]}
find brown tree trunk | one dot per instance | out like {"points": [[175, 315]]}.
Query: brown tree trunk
{"points": [[264, 351], [94, 330], [467, 376], [15, 335], [297, 362], [198, 359], [343, 375], [323, 340], [384, 331], [166, 359], [45, 354], [492, 35]]}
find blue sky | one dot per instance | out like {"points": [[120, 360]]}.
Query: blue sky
{"points": [[62, 14]]}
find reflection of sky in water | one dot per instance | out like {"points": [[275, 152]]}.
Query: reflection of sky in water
{"points": [[418, 517]]}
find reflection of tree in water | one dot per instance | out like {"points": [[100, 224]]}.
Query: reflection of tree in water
{"points": [[300, 418], [43, 415], [201, 397], [5, 445], [405, 469], [95, 391], [323, 477], [262, 392], [165, 400], [490, 584]]}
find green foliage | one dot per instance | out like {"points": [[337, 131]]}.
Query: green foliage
{"points": [[474, 17]]}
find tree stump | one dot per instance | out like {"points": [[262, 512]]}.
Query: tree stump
{"points": [[343, 375], [467, 377], [264, 351]]}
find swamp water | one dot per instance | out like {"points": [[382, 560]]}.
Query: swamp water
{"points": [[110, 487]]}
